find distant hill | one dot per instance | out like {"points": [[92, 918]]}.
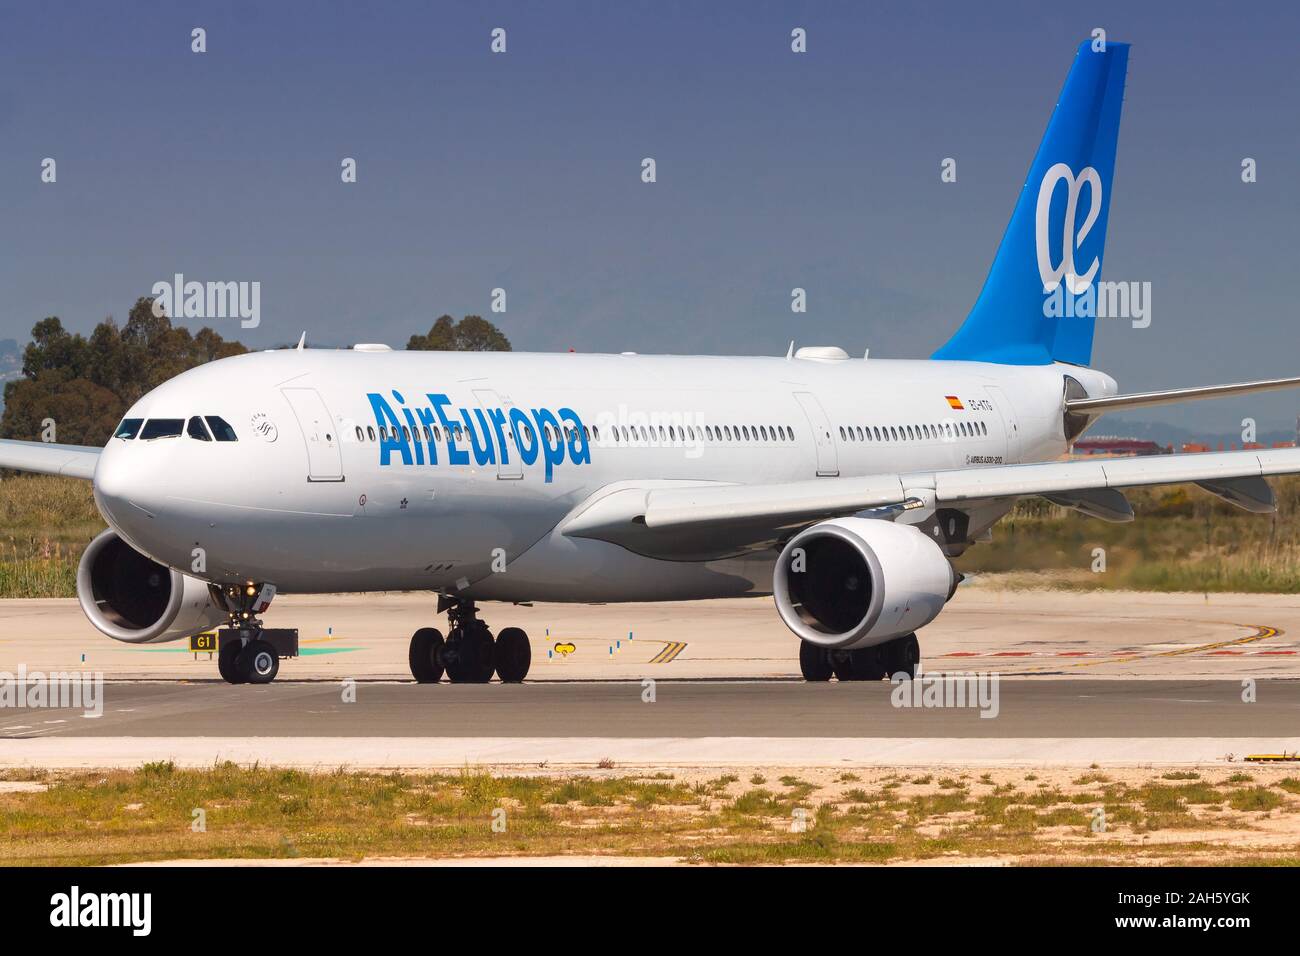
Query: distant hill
{"points": [[1176, 436]]}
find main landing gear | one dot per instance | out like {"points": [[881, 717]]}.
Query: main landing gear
{"points": [[903, 654], [468, 655]]}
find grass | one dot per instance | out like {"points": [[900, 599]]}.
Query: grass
{"points": [[45, 524], [1182, 540], [162, 812]]}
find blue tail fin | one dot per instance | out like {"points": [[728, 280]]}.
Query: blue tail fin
{"points": [[1053, 247]]}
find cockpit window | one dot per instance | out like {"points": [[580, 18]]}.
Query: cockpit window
{"points": [[162, 428], [221, 430], [129, 428], [196, 429]]}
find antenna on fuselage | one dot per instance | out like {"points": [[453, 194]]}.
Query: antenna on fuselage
{"points": [[302, 342], [789, 354]]}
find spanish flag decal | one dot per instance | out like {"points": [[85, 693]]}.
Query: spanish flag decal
{"points": [[955, 402]]}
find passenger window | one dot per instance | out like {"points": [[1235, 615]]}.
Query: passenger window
{"points": [[221, 429], [370, 431], [129, 428], [361, 436], [195, 429], [162, 428]]}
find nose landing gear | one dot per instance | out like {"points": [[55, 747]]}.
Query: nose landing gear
{"points": [[469, 655], [247, 652]]}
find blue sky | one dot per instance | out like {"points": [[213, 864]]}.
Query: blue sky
{"points": [[521, 171]]}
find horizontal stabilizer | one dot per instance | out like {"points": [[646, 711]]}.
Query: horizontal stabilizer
{"points": [[1097, 406]]}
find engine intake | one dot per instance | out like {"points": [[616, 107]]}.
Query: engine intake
{"points": [[132, 598], [857, 582]]}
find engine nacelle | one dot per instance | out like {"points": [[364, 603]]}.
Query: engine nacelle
{"points": [[856, 582], [135, 599]]}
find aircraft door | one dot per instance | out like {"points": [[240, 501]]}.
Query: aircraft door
{"points": [[1010, 423], [509, 464], [828, 462], [324, 459]]}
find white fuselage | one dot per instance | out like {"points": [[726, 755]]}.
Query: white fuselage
{"points": [[301, 502]]}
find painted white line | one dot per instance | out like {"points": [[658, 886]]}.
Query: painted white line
{"points": [[431, 752]]}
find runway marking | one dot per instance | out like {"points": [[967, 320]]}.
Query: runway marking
{"points": [[669, 653], [1262, 633], [1248, 652]]}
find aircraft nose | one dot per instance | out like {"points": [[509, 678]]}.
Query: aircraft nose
{"points": [[120, 490]]}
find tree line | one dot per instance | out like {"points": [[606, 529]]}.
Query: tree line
{"points": [[82, 385]]}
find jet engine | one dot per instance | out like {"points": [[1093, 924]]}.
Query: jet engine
{"points": [[133, 598], [850, 583]]}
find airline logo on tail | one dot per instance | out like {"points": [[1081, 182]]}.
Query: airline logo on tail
{"points": [[1070, 239]]}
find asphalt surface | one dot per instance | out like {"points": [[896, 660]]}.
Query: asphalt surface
{"points": [[1027, 708]]}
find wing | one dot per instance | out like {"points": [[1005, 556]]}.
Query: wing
{"points": [[715, 520], [74, 461]]}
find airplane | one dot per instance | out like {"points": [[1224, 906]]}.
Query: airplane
{"points": [[842, 487]]}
